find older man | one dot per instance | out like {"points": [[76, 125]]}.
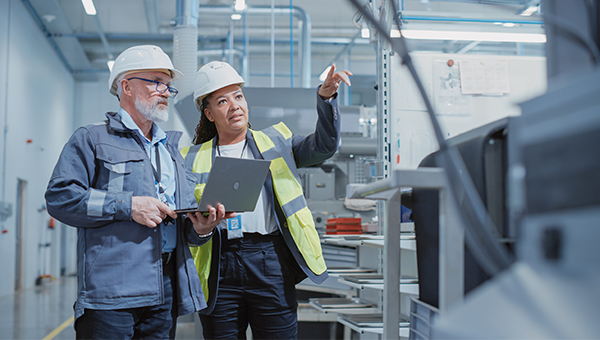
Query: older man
{"points": [[117, 181]]}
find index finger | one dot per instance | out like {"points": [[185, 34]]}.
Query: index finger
{"points": [[167, 210], [331, 71]]}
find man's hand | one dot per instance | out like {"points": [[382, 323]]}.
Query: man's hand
{"points": [[205, 224], [333, 81], [149, 211]]}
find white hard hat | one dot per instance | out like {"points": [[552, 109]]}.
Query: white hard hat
{"points": [[213, 76], [142, 58]]}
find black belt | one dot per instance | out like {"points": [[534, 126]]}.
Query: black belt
{"points": [[166, 258]]}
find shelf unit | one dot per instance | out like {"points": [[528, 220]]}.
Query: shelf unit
{"points": [[406, 242], [354, 310], [406, 288], [403, 331], [451, 240]]}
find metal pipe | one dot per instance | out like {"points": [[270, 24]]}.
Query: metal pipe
{"points": [[272, 43], [245, 37], [291, 45], [347, 88], [230, 42], [5, 129], [103, 37], [152, 19], [186, 13], [424, 18], [304, 23], [209, 53], [469, 47], [48, 35]]}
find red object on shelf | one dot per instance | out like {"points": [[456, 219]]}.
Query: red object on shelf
{"points": [[343, 226], [344, 220], [343, 232]]}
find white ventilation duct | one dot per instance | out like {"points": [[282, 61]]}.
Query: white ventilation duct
{"points": [[185, 46]]}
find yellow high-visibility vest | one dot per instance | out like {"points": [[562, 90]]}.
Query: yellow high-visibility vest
{"points": [[201, 167], [286, 184]]}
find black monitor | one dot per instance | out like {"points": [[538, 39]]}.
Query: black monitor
{"points": [[484, 152]]}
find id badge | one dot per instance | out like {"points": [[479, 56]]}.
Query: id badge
{"points": [[234, 227]]}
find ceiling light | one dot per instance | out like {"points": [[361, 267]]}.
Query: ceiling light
{"points": [[323, 75], [110, 64], [240, 5], [236, 16], [509, 24], [88, 5], [49, 18], [471, 36]]}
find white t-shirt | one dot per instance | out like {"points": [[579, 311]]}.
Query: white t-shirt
{"points": [[261, 220]]}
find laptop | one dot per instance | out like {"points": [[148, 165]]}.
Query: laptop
{"points": [[234, 182]]}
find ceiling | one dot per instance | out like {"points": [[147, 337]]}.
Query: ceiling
{"points": [[86, 43]]}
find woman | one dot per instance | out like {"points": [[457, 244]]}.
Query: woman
{"points": [[250, 275]]}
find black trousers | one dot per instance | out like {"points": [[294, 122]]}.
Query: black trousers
{"points": [[256, 288]]}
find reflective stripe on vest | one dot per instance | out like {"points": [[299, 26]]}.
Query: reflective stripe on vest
{"points": [[199, 159], [299, 219]]}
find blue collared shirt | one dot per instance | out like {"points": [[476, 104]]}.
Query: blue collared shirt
{"points": [[169, 232]]}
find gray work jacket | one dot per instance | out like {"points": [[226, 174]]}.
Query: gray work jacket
{"points": [[118, 260]]}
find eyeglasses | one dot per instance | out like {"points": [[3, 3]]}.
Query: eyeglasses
{"points": [[160, 86]]}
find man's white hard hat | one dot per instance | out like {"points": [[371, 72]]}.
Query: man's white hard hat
{"points": [[141, 58], [213, 76]]}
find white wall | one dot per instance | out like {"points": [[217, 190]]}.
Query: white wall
{"points": [[36, 102], [411, 133]]}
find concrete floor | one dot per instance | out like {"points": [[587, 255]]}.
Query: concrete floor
{"points": [[46, 311]]}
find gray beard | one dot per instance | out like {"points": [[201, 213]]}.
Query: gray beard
{"points": [[151, 111]]}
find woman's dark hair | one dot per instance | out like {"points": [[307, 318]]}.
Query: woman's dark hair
{"points": [[206, 130]]}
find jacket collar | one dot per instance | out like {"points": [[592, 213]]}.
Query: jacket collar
{"points": [[115, 123]]}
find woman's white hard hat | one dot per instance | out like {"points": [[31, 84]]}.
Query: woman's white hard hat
{"points": [[141, 58], [214, 76]]}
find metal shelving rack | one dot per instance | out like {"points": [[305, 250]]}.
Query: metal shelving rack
{"points": [[451, 239]]}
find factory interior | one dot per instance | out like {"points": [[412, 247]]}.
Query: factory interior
{"points": [[460, 201]]}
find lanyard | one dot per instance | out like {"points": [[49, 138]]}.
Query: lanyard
{"points": [[243, 149], [157, 174]]}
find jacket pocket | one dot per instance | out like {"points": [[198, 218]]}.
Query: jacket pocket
{"points": [[121, 170], [121, 264]]}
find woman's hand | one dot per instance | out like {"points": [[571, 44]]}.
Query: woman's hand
{"points": [[333, 81], [205, 224]]}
